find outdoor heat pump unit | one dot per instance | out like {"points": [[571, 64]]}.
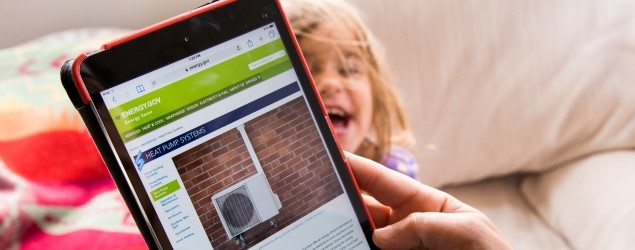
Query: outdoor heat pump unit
{"points": [[245, 205]]}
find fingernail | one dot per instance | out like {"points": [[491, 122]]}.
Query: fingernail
{"points": [[384, 233]]}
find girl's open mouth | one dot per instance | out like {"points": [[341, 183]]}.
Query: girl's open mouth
{"points": [[340, 120]]}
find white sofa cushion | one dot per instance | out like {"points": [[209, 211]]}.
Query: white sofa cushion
{"points": [[500, 199], [591, 201], [495, 87]]}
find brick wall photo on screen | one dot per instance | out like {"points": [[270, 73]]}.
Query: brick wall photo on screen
{"points": [[292, 157]]}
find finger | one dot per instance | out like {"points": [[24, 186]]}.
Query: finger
{"points": [[394, 189], [378, 212]]}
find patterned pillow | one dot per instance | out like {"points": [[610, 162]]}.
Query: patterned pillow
{"points": [[37, 120], [55, 192], [32, 99]]}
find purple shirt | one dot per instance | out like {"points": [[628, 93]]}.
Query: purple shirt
{"points": [[401, 160]]}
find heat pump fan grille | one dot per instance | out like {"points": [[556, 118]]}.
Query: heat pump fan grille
{"points": [[238, 210]]}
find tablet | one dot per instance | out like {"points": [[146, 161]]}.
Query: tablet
{"points": [[215, 135]]}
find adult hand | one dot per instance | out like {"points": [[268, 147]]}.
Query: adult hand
{"points": [[411, 215]]}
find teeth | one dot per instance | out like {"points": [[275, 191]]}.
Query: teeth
{"points": [[337, 112]]}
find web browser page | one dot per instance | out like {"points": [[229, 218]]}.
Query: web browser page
{"points": [[230, 154]]}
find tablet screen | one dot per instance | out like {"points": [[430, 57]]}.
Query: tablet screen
{"points": [[223, 151]]}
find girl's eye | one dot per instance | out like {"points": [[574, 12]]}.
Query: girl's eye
{"points": [[351, 66], [350, 70]]}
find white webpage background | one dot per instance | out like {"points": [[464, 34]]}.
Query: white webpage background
{"points": [[310, 228]]}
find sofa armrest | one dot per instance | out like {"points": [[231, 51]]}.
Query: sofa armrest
{"points": [[590, 201]]}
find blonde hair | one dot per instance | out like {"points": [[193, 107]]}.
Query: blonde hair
{"points": [[389, 122]]}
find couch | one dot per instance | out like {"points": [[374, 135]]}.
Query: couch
{"points": [[522, 109]]}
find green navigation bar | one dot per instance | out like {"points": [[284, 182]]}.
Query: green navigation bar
{"points": [[158, 108], [165, 190]]}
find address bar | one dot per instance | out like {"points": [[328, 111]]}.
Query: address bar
{"points": [[266, 59], [196, 65]]}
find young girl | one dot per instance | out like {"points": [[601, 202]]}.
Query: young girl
{"points": [[353, 81]]}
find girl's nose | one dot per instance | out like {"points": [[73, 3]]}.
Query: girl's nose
{"points": [[329, 84]]}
